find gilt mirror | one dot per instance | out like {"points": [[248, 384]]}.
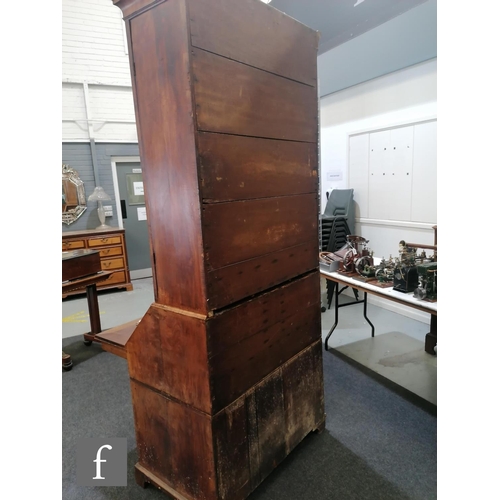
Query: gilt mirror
{"points": [[73, 195]]}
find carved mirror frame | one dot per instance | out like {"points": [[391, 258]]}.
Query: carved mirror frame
{"points": [[73, 195]]}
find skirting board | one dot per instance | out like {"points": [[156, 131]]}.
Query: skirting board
{"points": [[141, 273]]}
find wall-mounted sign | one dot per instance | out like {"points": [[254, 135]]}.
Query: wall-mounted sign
{"points": [[334, 175], [138, 188], [141, 213], [135, 189]]}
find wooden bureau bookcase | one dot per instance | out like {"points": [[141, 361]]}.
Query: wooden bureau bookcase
{"points": [[112, 252], [226, 365]]}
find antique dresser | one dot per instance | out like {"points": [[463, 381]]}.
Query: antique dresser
{"points": [[226, 365], [112, 252]]}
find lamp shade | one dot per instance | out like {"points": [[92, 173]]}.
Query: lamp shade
{"points": [[99, 195]]}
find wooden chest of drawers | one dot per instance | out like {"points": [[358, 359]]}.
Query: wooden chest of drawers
{"points": [[112, 252]]}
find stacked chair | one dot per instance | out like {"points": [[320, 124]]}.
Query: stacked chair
{"points": [[336, 223]]}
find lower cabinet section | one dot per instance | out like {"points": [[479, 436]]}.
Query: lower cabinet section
{"points": [[197, 456], [112, 251]]}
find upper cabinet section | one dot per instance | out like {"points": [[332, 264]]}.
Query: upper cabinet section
{"points": [[244, 35], [227, 111]]}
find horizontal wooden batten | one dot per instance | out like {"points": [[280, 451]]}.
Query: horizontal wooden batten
{"points": [[237, 99], [241, 230], [239, 367], [232, 326], [237, 168], [229, 284], [244, 35]]}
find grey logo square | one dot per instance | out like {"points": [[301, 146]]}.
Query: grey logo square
{"points": [[101, 462]]}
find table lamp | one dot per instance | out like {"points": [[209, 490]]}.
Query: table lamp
{"points": [[100, 195]]}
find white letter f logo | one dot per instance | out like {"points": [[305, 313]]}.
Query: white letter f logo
{"points": [[98, 461]]}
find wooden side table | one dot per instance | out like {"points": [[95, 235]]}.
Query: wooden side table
{"points": [[90, 284]]}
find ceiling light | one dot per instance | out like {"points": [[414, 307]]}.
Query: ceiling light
{"points": [[266, 1]]}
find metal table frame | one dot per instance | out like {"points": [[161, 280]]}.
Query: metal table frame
{"points": [[385, 293]]}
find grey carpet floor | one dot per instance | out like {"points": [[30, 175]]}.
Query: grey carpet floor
{"points": [[376, 445]]}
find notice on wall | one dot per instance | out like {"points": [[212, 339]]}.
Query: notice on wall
{"points": [[141, 213], [138, 188], [334, 175]]}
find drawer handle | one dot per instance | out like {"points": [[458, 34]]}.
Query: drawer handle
{"points": [[105, 252], [106, 264], [104, 240]]}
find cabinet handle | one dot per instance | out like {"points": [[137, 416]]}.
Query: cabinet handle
{"points": [[105, 265]]}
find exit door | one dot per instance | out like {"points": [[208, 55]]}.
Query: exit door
{"points": [[134, 216]]}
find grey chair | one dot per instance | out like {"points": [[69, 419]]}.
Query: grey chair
{"points": [[337, 222]]}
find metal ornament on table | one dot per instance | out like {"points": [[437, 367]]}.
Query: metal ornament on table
{"points": [[100, 195], [357, 257]]}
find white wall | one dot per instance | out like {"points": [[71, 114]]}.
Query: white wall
{"points": [[402, 97], [93, 42], [97, 99]]}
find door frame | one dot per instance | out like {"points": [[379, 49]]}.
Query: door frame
{"points": [[142, 273], [114, 161]]}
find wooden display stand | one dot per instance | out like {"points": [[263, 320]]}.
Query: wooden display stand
{"points": [[226, 365]]}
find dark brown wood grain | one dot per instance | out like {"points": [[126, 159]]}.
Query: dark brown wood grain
{"points": [[303, 394], [241, 230], [80, 263], [270, 412], [240, 445], [174, 442], [168, 154], [168, 352], [229, 284], [254, 437], [226, 108], [253, 440], [233, 98], [115, 339], [230, 327], [230, 432], [241, 366], [246, 35], [238, 168]]}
